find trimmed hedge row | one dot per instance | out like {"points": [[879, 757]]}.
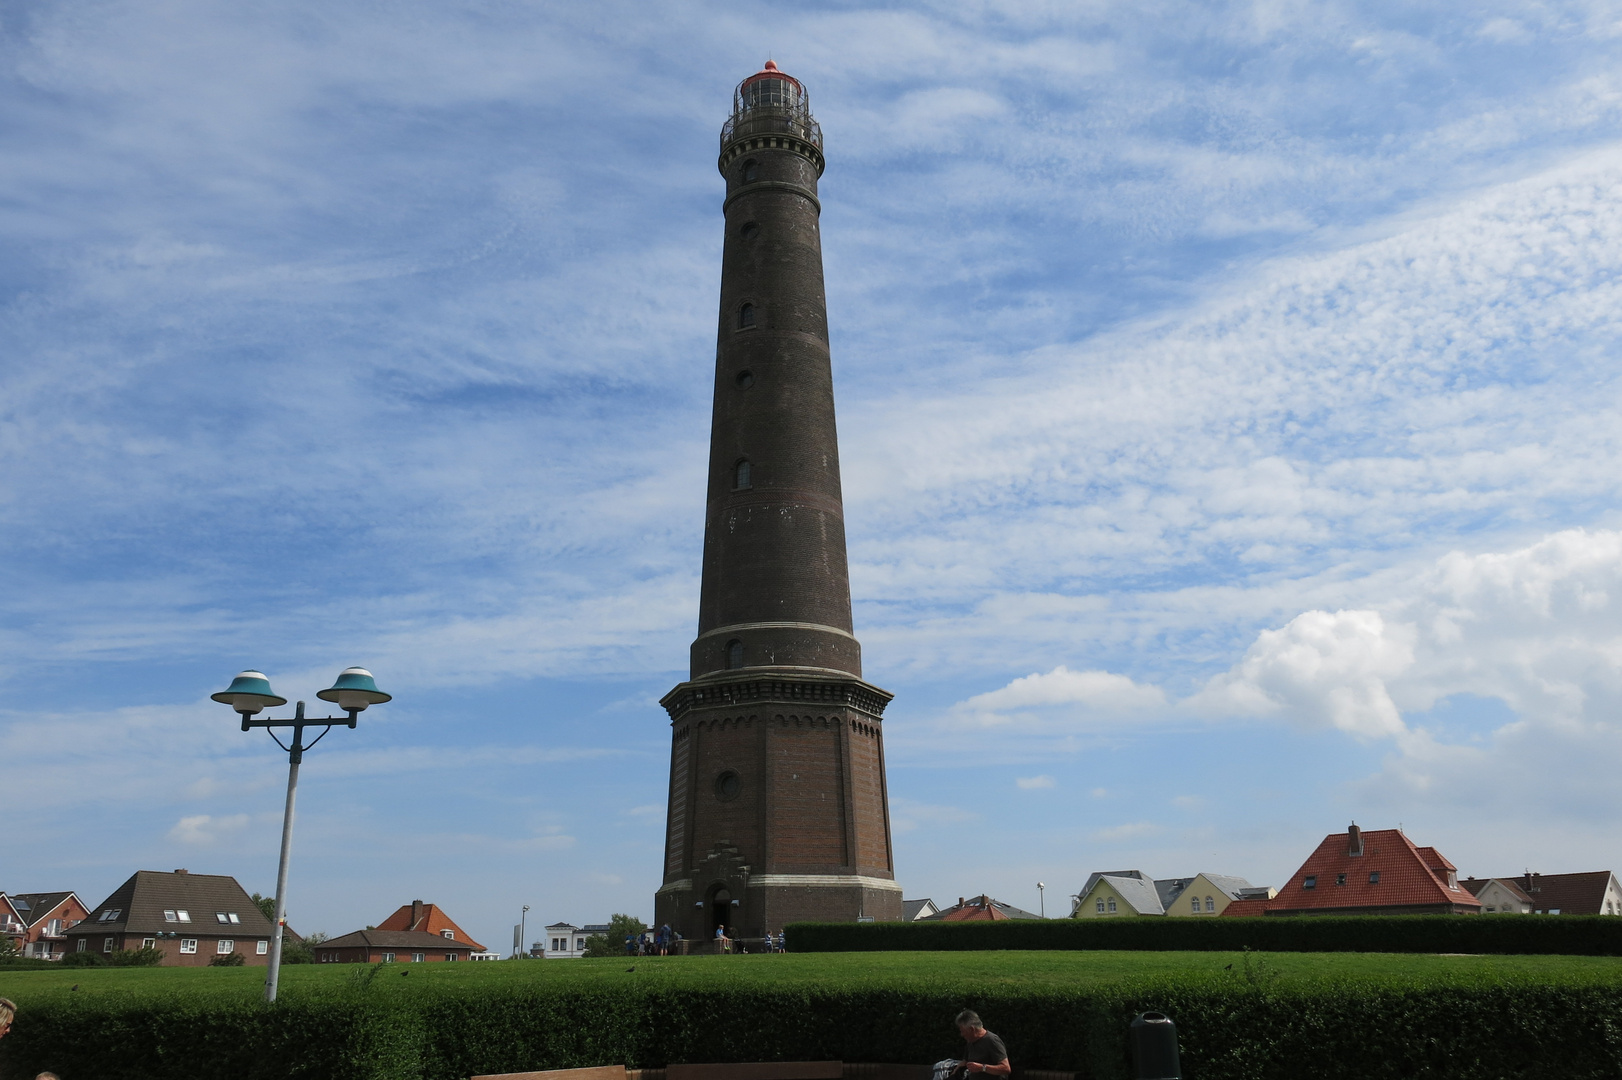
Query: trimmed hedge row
{"points": [[1549, 935], [1234, 1029]]}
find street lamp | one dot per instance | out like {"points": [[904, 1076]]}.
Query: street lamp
{"points": [[249, 694], [523, 917], [1042, 898]]}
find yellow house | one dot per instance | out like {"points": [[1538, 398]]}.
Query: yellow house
{"points": [[1119, 893], [1210, 894]]}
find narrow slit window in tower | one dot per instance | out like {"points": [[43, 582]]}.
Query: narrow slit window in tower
{"points": [[741, 477], [746, 316], [734, 653], [751, 171]]}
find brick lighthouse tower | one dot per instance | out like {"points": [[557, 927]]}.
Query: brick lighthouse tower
{"points": [[778, 808]]}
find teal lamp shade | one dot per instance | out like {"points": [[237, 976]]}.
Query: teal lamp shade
{"points": [[248, 693], [355, 689]]}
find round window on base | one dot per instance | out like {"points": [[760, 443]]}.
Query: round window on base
{"points": [[744, 379], [727, 786], [749, 231]]}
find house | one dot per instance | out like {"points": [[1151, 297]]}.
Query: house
{"points": [[430, 918], [1117, 893], [1592, 893], [913, 910], [388, 946], [1379, 872], [190, 918], [43, 919], [568, 941], [980, 908], [416, 933], [11, 922], [1499, 896]]}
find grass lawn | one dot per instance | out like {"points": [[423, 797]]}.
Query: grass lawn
{"points": [[941, 970]]}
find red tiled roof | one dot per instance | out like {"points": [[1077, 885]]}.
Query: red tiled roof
{"points": [[1242, 908], [426, 918], [977, 909], [1410, 876]]}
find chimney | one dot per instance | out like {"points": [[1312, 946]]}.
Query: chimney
{"points": [[1354, 840], [416, 914], [180, 871], [960, 901]]}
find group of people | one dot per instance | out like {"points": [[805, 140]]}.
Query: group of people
{"points": [[773, 943], [662, 942]]}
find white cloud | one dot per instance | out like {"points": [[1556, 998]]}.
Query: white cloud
{"points": [[1061, 686], [1033, 783], [205, 829]]}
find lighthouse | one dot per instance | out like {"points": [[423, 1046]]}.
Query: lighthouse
{"points": [[778, 808]]}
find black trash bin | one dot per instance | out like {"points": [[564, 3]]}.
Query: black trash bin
{"points": [[1153, 1038]]}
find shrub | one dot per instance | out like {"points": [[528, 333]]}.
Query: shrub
{"points": [[1230, 1028], [82, 959], [1565, 935], [230, 959], [135, 958]]}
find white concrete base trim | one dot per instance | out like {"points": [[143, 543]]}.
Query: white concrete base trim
{"points": [[841, 881]]}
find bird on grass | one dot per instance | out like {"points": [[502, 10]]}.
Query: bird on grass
{"points": [[631, 968]]}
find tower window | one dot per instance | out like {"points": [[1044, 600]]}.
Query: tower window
{"points": [[745, 379], [734, 653], [727, 786], [751, 171], [750, 230], [746, 316], [741, 475]]}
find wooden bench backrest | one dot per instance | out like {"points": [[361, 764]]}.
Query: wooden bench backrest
{"points": [[759, 1070], [596, 1072]]}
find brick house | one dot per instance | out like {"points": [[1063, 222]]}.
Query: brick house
{"points": [[980, 908], [1379, 872], [190, 918], [39, 922], [415, 933]]}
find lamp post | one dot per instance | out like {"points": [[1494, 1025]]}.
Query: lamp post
{"points": [[249, 694], [1042, 899], [523, 918]]}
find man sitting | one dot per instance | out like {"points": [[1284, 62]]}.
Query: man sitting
{"points": [[983, 1052]]}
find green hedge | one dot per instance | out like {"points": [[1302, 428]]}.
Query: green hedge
{"points": [[1548, 935], [1235, 1028]]}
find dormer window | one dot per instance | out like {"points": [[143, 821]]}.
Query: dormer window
{"points": [[448, 933], [1310, 881], [183, 915], [235, 918], [1340, 879], [1374, 877], [169, 916], [219, 916]]}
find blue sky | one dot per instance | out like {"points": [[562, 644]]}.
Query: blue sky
{"points": [[1229, 407]]}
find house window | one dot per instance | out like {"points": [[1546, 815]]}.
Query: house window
{"points": [[416, 958], [1340, 879], [107, 944], [260, 948], [1210, 904], [448, 933], [1194, 903], [1112, 904], [149, 943], [388, 958], [734, 653], [184, 915], [110, 914], [54, 927], [235, 919], [169, 916], [225, 945], [746, 316], [1310, 881], [82, 944], [1374, 877], [188, 944], [1491, 908], [219, 916], [450, 956], [1101, 905]]}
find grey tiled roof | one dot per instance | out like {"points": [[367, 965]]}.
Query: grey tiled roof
{"points": [[40, 904], [143, 899], [1140, 893]]}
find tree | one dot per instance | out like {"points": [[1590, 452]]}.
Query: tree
{"points": [[267, 904], [612, 943]]}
